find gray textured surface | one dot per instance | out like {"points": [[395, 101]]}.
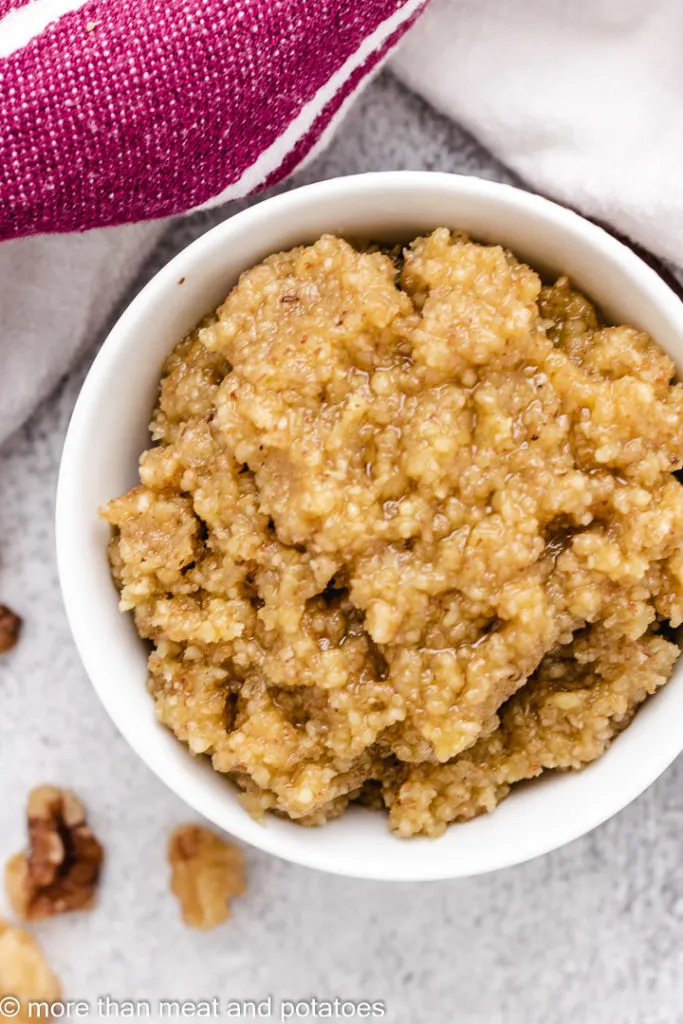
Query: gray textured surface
{"points": [[591, 933]]}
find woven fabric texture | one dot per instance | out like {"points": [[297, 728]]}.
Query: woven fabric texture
{"points": [[113, 113]]}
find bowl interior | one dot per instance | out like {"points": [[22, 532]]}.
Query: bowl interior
{"points": [[109, 430]]}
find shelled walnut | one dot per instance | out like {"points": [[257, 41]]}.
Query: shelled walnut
{"points": [[207, 872], [24, 973], [61, 868], [10, 628]]}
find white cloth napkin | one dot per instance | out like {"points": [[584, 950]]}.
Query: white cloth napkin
{"points": [[582, 100], [56, 292]]}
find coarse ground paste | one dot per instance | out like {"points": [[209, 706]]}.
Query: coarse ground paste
{"points": [[409, 531]]}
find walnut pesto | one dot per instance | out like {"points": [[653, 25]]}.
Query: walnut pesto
{"points": [[407, 532]]}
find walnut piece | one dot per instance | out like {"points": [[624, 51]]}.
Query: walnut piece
{"points": [[61, 868], [10, 628], [206, 872], [24, 972]]}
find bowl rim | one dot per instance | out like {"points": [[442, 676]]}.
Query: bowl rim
{"points": [[197, 797]]}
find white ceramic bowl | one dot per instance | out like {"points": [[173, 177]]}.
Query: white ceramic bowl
{"points": [[109, 430]]}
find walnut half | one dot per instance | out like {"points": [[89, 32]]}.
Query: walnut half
{"points": [[61, 868], [24, 973], [10, 628], [206, 871]]}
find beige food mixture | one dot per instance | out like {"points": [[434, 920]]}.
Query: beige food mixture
{"points": [[408, 533]]}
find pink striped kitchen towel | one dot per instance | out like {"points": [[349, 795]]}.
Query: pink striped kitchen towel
{"points": [[115, 112]]}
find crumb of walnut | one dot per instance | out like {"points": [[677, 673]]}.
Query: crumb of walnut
{"points": [[61, 868], [24, 972], [207, 872], [10, 628]]}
